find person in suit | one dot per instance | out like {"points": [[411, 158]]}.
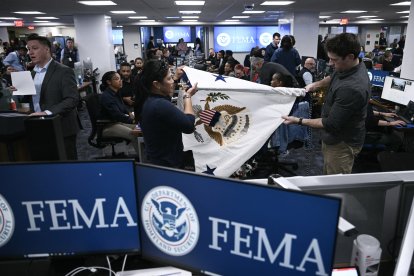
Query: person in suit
{"points": [[56, 91]]}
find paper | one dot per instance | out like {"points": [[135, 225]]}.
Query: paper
{"points": [[23, 82]]}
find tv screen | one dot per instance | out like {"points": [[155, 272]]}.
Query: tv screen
{"points": [[224, 227], [397, 90], [64, 209], [117, 36], [173, 33], [377, 77]]}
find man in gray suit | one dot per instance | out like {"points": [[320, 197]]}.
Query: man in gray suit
{"points": [[56, 90]]}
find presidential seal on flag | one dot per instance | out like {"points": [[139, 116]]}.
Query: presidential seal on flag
{"points": [[234, 119]]}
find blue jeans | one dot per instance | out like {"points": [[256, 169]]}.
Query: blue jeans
{"points": [[286, 134]]}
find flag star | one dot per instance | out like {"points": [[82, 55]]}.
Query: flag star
{"points": [[210, 170], [220, 77]]}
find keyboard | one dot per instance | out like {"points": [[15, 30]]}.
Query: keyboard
{"points": [[389, 119]]}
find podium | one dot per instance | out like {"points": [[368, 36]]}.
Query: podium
{"points": [[45, 138]]}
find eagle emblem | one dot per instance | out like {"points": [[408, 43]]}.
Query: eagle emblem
{"points": [[223, 123], [169, 220]]}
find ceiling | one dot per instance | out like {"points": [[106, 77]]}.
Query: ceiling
{"points": [[213, 12]]}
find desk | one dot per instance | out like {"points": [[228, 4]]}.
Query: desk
{"points": [[13, 146]]}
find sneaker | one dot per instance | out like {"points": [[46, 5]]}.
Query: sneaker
{"points": [[283, 155]]}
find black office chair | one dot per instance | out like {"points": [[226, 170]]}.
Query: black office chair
{"points": [[396, 161], [96, 139]]}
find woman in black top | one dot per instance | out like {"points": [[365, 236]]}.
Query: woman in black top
{"points": [[113, 108]]}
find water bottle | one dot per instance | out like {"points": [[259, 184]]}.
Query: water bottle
{"points": [[80, 81], [12, 104]]}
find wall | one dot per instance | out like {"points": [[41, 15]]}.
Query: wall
{"points": [[132, 42], [47, 31]]}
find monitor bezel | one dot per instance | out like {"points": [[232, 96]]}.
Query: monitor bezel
{"points": [[35, 256], [234, 181]]}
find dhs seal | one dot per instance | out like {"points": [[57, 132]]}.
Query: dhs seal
{"points": [[223, 39], [370, 76], [169, 34], [265, 38], [170, 221], [6, 221]]}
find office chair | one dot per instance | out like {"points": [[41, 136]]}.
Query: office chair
{"points": [[396, 161], [96, 139]]}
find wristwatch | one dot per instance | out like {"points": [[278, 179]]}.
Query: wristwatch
{"points": [[186, 96], [300, 121]]}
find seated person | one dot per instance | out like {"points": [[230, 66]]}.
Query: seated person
{"points": [[127, 89], [377, 134], [387, 64], [239, 72], [286, 134], [229, 68], [112, 108]]}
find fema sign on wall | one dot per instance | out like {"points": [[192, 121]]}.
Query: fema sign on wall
{"points": [[173, 33], [244, 38], [223, 227]]}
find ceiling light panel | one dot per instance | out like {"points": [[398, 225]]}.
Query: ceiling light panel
{"points": [[29, 12], [122, 12], [405, 3], [190, 12], [97, 3], [253, 12], [189, 3], [277, 3]]}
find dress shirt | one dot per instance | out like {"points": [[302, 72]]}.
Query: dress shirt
{"points": [[38, 80], [13, 59]]}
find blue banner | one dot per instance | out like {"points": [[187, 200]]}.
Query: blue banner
{"points": [[224, 227], [377, 77], [67, 209], [173, 33], [244, 38]]}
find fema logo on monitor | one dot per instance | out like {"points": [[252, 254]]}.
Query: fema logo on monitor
{"points": [[223, 39], [265, 39], [170, 221], [6, 221], [169, 34], [370, 75]]}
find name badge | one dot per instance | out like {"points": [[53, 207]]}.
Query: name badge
{"points": [[70, 59]]}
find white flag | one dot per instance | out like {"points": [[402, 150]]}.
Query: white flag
{"points": [[234, 119]]}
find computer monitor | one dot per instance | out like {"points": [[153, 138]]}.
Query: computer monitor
{"points": [[225, 227], [370, 202], [67, 209], [397, 90]]}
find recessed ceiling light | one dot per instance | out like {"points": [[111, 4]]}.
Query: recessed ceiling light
{"points": [[253, 12], [405, 3], [190, 12], [240, 16], [41, 21], [97, 3], [10, 18], [122, 12], [29, 12], [277, 3], [405, 16], [232, 20], [190, 17], [367, 16], [190, 20], [365, 22], [333, 21], [281, 21], [189, 3], [376, 19], [404, 12], [137, 17], [324, 16], [353, 11], [46, 17], [119, 26], [147, 20], [172, 17]]}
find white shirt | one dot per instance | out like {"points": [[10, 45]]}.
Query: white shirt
{"points": [[307, 77], [38, 80]]}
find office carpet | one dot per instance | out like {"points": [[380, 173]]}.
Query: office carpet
{"points": [[309, 157]]}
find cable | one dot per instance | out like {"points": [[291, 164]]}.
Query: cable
{"points": [[123, 264], [92, 269], [109, 265]]}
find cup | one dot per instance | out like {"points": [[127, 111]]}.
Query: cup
{"points": [[24, 108]]}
